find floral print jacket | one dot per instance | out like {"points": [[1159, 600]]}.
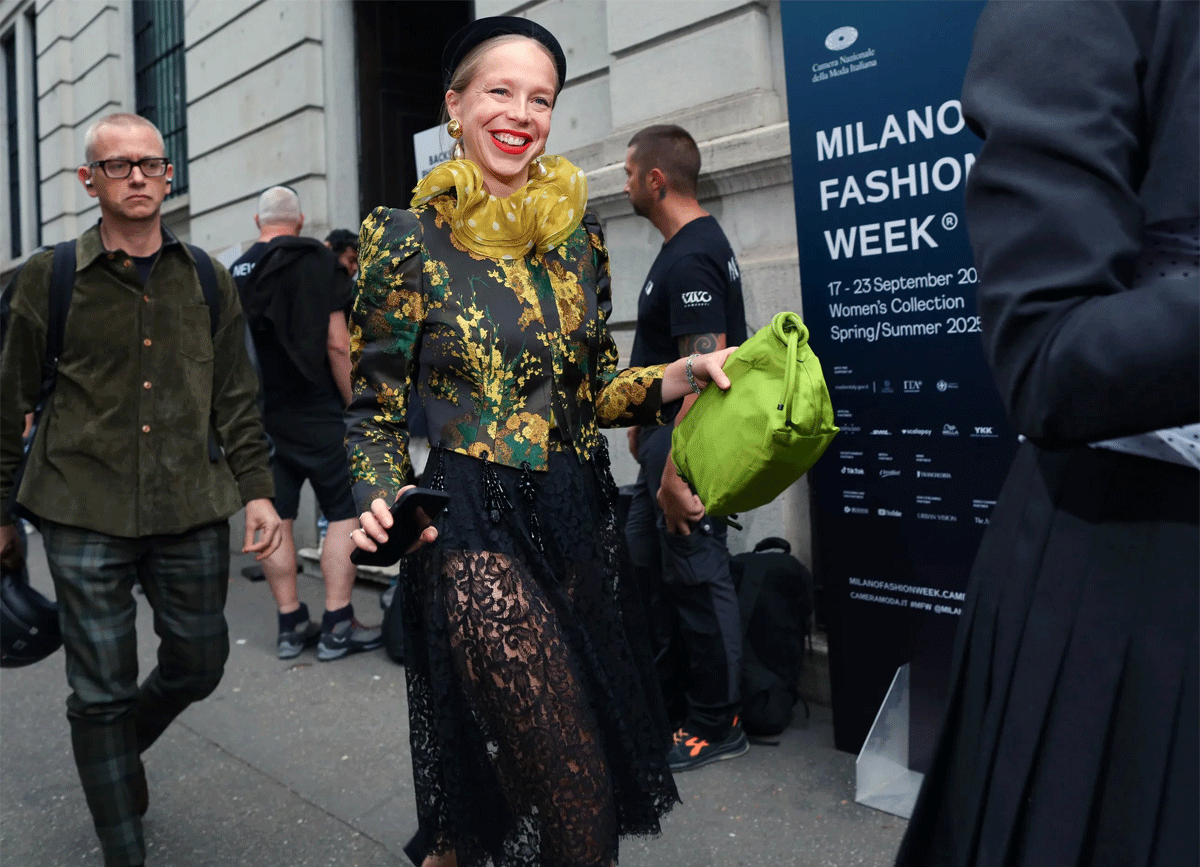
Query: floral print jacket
{"points": [[499, 351]]}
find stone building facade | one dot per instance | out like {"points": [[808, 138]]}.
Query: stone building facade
{"points": [[324, 95]]}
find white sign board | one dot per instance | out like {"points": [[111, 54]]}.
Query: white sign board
{"points": [[431, 146]]}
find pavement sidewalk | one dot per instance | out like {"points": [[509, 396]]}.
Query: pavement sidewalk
{"points": [[298, 763]]}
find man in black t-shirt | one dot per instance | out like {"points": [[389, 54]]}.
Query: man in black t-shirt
{"points": [[691, 303], [295, 295]]}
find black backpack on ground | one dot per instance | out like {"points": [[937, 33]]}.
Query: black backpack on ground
{"points": [[775, 599]]}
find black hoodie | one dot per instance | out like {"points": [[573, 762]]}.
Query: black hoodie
{"points": [[288, 288]]}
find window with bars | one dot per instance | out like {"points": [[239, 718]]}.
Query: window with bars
{"points": [[159, 78], [9, 47], [31, 17]]}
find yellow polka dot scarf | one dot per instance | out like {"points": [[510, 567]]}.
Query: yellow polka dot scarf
{"points": [[541, 214]]}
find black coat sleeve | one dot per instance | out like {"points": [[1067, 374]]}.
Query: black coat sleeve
{"points": [[1073, 101]]}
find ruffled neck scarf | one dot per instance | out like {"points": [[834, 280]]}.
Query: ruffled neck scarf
{"points": [[542, 214]]}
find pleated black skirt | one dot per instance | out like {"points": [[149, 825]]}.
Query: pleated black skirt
{"points": [[537, 729], [1072, 728]]}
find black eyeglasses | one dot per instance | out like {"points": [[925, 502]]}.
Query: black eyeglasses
{"points": [[152, 167]]}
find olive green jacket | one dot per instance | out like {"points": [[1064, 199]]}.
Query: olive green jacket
{"points": [[122, 447]]}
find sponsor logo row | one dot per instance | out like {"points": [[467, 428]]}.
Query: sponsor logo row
{"points": [[881, 512], [948, 430], [892, 474], [888, 386]]}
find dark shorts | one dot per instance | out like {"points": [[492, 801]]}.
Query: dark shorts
{"points": [[310, 447]]}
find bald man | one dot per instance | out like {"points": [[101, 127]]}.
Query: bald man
{"points": [[296, 295]]}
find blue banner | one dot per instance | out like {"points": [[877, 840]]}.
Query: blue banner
{"points": [[880, 156]]}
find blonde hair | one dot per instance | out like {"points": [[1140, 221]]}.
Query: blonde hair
{"points": [[469, 67], [122, 120]]}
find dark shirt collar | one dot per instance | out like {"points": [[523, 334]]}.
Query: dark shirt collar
{"points": [[90, 247]]}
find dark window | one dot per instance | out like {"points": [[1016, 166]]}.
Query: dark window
{"points": [[9, 44], [159, 78], [400, 89]]}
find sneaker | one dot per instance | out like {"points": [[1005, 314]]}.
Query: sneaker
{"points": [[691, 752], [292, 641], [348, 636]]}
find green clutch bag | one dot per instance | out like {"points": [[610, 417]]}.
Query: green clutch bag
{"points": [[739, 449]]}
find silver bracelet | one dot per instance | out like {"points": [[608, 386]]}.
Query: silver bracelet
{"points": [[687, 368]]}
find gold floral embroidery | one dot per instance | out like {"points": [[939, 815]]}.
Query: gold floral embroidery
{"points": [[497, 351], [627, 390]]}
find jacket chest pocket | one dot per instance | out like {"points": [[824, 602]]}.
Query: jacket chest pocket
{"points": [[195, 333]]}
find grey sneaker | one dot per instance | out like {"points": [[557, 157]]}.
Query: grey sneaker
{"points": [[293, 641], [346, 637]]}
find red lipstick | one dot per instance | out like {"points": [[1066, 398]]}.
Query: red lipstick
{"points": [[507, 148]]}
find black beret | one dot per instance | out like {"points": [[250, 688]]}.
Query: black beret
{"points": [[483, 29]]}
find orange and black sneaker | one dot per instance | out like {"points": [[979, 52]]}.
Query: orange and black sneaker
{"points": [[691, 751]]}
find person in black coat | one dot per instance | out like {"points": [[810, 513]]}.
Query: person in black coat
{"points": [[1071, 731]]}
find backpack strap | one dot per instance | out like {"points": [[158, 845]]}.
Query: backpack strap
{"points": [[208, 285], [62, 287], [58, 298]]}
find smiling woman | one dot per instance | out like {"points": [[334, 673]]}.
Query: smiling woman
{"points": [[504, 109], [537, 730]]}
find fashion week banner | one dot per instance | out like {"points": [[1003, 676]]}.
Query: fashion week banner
{"points": [[880, 156]]}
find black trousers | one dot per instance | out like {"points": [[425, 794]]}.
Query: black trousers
{"points": [[691, 602]]}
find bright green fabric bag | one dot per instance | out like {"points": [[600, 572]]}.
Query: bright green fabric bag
{"points": [[739, 449]]}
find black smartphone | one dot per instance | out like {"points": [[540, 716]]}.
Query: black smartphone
{"points": [[405, 529]]}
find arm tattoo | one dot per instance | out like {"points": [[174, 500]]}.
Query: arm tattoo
{"points": [[700, 343]]}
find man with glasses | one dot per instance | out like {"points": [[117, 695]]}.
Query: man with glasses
{"points": [[121, 471]]}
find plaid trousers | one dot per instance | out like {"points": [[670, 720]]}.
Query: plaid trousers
{"points": [[113, 720]]}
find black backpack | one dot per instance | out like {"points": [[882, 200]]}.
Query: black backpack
{"points": [[62, 286], [775, 599]]}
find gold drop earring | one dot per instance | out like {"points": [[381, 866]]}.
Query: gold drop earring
{"points": [[454, 128]]}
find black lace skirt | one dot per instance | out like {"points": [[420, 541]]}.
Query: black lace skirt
{"points": [[537, 730]]}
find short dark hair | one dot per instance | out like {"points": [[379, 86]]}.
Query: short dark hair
{"points": [[671, 150], [341, 239]]}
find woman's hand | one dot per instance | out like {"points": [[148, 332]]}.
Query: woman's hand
{"points": [[378, 521], [706, 368]]}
